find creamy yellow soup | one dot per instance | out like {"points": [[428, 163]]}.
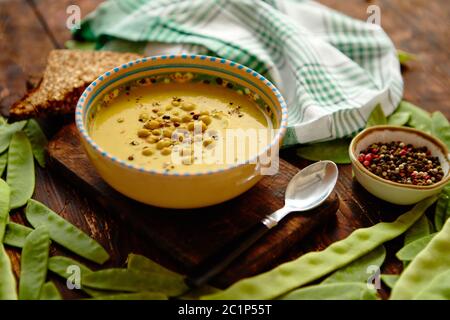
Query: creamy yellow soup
{"points": [[181, 127]]}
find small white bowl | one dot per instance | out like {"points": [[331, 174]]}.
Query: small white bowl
{"points": [[394, 192]]}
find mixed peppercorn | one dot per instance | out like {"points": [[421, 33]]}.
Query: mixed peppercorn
{"points": [[403, 163]]}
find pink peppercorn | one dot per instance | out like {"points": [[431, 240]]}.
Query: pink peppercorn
{"points": [[361, 157]]}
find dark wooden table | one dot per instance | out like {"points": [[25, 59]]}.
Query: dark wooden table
{"points": [[30, 29]]}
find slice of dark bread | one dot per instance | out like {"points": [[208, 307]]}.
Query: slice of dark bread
{"points": [[67, 74]]}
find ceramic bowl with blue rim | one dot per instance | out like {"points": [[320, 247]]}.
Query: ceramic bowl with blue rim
{"points": [[171, 189], [394, 192]]}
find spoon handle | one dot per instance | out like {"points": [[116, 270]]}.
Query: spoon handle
{"points": [[224, 257]]}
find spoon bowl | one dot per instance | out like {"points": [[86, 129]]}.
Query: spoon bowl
{"points": [[311, 186]]}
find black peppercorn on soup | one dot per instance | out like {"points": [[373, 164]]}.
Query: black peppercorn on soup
{"points": [[184, 127]]}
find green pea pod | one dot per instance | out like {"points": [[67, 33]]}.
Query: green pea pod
{"points": [[390, 279], [60, 265], [404, 57], [7, 279], [133, 296], [333, 291], [418, 230], [7, 131], [37, 139], [65, 233], [440, 127], [357, 270], [442, 212], [16, 234], [314, 265], [20, 173], [3, 161], [429, 263], [335, 150], [399, 118], [33, 264], [438, 289], [419, 119], [141, 263], [50, 292], [134, 281], [412, 249], [377, 117], [4, 207], [80, 45], [197, 293]]}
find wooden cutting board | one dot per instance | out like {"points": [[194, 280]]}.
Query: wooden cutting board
{"points": [[191, 236]]}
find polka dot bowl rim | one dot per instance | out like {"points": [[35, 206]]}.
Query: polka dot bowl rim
{"points": [[82, 107]]}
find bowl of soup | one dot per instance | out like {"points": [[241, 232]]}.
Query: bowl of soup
{"points": [[182, 131]]}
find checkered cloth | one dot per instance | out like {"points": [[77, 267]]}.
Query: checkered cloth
{"points": [[331, 69]]}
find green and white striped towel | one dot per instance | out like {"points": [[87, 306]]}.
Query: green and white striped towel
{"points": [[331, 69]]}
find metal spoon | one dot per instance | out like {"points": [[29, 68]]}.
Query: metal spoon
{"points": [[307, 189]]}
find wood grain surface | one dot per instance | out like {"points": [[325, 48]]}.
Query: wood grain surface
{"points": [[29, 29]]}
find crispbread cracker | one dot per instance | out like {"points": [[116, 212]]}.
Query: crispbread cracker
{"points": [[67, 74]]}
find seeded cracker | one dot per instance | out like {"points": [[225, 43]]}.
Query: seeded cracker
{"points": [[67, 74]]}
